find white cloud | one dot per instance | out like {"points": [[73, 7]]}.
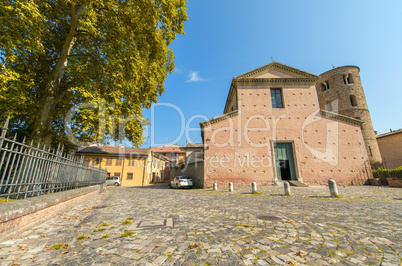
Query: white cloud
{"points": [[177, 70], [193, 77]]}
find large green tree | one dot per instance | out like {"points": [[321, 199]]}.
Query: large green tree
{"points": [[110, 56]]}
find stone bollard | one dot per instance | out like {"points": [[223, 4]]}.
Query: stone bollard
{"points": [[286, 185], [253, 187], [215, 186], [333, 190], [230, 187]]}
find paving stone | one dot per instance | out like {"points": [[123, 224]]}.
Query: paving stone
{"points": [[313, 229]]}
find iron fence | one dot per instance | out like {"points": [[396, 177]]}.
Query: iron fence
{"points": [[27, 171]]}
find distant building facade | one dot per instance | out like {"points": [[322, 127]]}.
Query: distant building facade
{"points": [[390, 145], [175, 153], [194, 152], [134, 166], [273, 130]]}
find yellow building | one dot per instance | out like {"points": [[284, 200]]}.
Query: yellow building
{"points": [[134, 166]]}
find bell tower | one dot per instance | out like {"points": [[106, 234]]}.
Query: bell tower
{"points": [[340, 91]]}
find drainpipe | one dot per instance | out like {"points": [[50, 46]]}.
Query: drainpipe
{"points": [[143, 171], [122, 170]]}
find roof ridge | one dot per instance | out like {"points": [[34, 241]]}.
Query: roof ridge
{"points": [[276, 65]]}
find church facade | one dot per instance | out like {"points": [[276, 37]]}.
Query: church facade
{"points": [[275, 128]]}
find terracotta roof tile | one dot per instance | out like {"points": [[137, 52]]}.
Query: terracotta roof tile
{"points": [[113, 150]]}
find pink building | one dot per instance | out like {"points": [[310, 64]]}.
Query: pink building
{"points": [[273, 130]]}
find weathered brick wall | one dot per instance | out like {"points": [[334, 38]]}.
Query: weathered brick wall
{"points": [[241, 147], [339, 95], [391, 149], [18, 216]]}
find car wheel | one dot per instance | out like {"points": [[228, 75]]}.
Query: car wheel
{"points": [[116, 184], [190, 187]]}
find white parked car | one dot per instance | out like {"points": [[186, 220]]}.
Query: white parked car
{"points": [[113, 180], [181, 181]]}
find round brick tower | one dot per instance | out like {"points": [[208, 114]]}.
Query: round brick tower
{"points": [[340, 91]]}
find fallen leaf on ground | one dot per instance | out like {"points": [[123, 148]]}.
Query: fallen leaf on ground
{"points": [[65, 252]]}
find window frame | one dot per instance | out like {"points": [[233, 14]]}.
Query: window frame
{"points": [[274, 92], [109, 162], [130, 176], [325, 86]]}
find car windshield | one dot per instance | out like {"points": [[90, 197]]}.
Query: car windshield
{"points": [[184, 177]]}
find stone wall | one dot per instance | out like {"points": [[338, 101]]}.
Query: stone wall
{"points": [[193, 170], [20, 215]]}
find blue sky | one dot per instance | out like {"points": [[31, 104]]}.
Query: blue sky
{"points": [[226, 38]]}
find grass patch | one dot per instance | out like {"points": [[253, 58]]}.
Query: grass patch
{"points": [[105, 236], [127, 221], [82, 237], [3, 200], [243, 225], [257, 193], [100, 229], [104, 224], [213, 191], [127, 233], [57, 246]]}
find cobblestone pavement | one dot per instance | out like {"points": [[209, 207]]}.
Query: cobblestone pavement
{"points": [[130, 226]]}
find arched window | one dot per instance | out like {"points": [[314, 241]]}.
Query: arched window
{"points": [[347, 79], [325, 86], [353, 100]]}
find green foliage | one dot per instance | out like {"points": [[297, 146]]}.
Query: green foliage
{"points": [[112, 56], [383, 173]]}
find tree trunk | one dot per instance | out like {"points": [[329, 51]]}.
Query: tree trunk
{"points": [[42, 131]]}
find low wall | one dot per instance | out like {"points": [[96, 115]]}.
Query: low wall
{"points": [[193, 170], [394, 182], [21, 215]]}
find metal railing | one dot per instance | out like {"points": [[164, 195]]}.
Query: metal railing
{"points": [[28, 171]]}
